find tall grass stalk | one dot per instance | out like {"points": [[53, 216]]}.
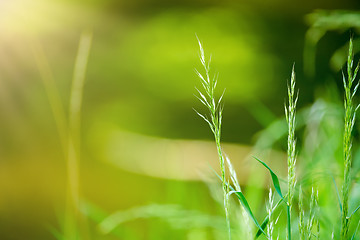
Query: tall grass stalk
{"points": [[73, 158], [290, 113], [68, 128], [350, 112], [214, 119]]}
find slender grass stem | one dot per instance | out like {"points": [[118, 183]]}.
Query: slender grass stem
{"points": [[73, 158], [290, 113], [214, 119], [68, 129], [74, 115], [350, 112]]}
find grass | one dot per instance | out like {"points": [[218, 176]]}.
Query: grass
{"points": [[305, 216], [73, 215], [74, 226], [290, 113], [308, 220], [350, 114], [214, 120]]}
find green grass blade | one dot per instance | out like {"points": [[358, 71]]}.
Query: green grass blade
{"points": [[337, 193], [354, 211], [241, 197], [247, 208], [263, 226], [72, 220], [357, 227], [276, 183], [266, 220], [274, 178]]}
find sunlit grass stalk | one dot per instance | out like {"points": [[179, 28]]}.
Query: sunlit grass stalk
{"points": [[350, 112], [214, 120], [290, 113], [68, 129], [73, 158]]}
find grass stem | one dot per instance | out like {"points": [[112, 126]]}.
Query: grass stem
{"points": [[214, 119], [350, 113], [290, 113]]}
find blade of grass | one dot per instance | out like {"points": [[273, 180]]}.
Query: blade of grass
{"points": [[337, 193], [245, 204], [263, 226], [73, 158], [357, 228], [247, 208], [274, 178], [69, 136], [276, 183], [266, 220], [353, 212]]}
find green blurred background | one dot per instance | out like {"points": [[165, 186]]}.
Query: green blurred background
{"points": [[141, 141]]}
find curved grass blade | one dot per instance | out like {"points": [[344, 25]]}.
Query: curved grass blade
{"points": [[274, 178], [276, 183], [266, 220], [337, 193], [263, 226], [354, 212], [247, 208], [357, 227]]}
